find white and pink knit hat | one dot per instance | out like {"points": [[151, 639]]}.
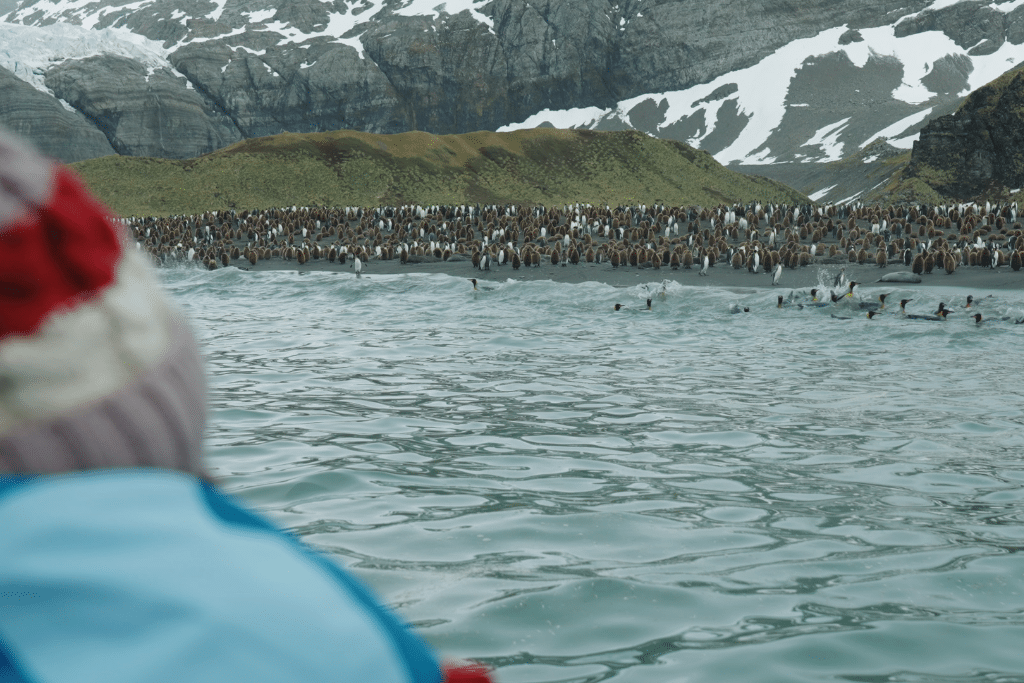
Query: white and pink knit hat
{"points": [[97, 370]]}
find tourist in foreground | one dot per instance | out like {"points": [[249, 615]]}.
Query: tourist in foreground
{"points": [[120, 559]]}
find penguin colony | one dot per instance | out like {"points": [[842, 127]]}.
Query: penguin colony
{"points": [[763, 239]]}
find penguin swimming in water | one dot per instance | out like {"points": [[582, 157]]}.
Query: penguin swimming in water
{"points": [[735, 308], [970, 300], [649, 305], [475, 288], [817, 303], [618, 307], [872, 314], [872, 306], [977, 318], [917, 316]]}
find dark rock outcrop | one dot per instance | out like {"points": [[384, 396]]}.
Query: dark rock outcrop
{"points": [[57, 132], [977, 27], [979, 148], [142, 112]]}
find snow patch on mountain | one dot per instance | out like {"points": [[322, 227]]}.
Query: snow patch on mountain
{"points": [[29, 51], [893, 132], [85, 14], [433, 7]]}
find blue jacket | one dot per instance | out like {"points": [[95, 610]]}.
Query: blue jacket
{"points": [[153, 576]]}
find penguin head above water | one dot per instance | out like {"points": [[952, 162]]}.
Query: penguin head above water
{"points": [[473, 280], [618, 307], [970, 300], [977, 318], [648, 304]]}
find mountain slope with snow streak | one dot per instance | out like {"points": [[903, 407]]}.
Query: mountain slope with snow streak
{"points": [[816, 100]]}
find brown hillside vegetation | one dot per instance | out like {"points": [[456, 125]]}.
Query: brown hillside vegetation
{"points": [[348, 168]]}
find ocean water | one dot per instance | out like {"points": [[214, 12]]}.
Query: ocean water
{"points": [[567, 493]]}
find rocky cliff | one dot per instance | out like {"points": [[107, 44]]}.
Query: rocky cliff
{"points": [[59, 132], [979, 149]]}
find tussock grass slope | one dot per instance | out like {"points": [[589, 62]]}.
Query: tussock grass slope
{"points": [[348, 168]]}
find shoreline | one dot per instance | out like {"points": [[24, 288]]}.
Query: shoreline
{"points": [[619, 247], [722, 275]]}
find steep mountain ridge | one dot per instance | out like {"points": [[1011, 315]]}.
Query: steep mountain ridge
{"points": [[753, 82]]}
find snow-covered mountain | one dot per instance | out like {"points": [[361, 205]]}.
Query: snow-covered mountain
{"points": [[759, 83], [817, 99]]}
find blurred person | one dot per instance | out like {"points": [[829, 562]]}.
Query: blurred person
{"points": [[120, 560]]}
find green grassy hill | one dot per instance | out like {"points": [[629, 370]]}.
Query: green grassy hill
{"points": [[348, 168]]}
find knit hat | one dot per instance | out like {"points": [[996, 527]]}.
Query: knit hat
{"points": [[97, 370]]}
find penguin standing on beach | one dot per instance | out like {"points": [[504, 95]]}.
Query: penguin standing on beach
{"points": [[777, 276]]}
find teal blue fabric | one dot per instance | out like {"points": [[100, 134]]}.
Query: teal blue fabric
{"points": [[138, 576], [9, 671]]}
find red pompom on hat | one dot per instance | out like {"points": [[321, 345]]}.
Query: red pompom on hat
{"points": [[465, 673], [96, 368]]}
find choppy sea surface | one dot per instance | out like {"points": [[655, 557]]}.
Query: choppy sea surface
{"points": [[571, 494]]}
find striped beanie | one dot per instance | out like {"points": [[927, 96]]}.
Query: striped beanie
{"points": [[97, 370]]}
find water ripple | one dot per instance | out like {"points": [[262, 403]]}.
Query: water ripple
{"points": [[570, 494]]}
